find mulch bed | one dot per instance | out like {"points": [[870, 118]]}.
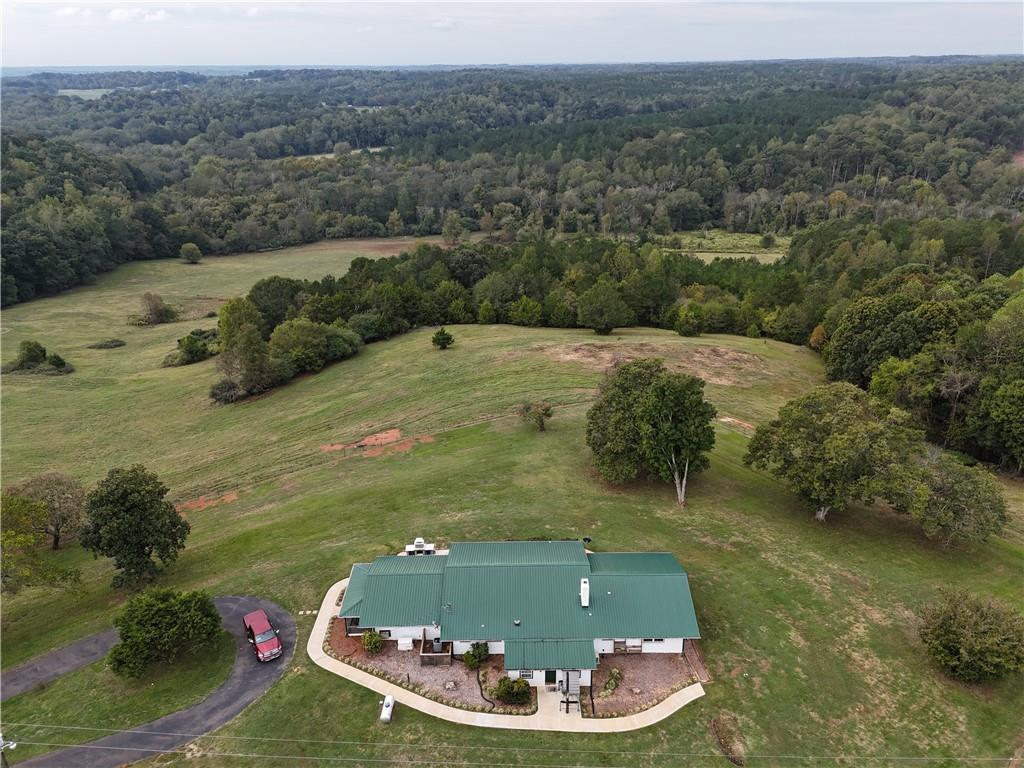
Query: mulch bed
{"points": [[647, 678]]}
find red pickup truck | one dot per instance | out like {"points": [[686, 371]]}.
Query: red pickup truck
{"points": [[262, 635]]}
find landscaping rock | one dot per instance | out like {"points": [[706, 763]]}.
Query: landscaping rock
{"points": [[450, 685]]}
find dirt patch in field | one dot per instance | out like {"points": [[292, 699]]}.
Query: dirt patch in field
{"points": [[715, 365], [743, 426], [198, 307], [205, 502], [378, 444]]}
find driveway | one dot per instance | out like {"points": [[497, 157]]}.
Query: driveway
{"points": [[247, 681]]}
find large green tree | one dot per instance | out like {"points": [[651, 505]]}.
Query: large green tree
{"points": [[602, 308], [676, 432], [835, 445], [953, 503], [160, 625], [613, 429], [130, 521]]}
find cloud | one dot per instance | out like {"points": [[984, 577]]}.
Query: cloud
{"points": [[72, 10], [254, 10], [446, 22], [123, 14], [159, 15]]}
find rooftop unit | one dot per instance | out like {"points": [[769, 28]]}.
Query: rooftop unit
{"points": [[420, 547]]}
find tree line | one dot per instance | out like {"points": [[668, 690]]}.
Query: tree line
{"points": [[513, 153]]}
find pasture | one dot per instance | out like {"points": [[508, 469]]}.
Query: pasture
{"points": [[809, 629]]}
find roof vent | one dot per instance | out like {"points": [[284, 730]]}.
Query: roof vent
{"points": [[585, 593], [517, 622]]}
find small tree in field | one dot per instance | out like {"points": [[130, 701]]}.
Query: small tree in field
{"points": [[64, 499], [155, 310], [130, 521], [452, 229], [536, 414], [21, 540], [442, 339], [974, 638], [190, 253]]}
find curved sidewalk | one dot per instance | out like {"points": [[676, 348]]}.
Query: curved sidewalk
{"points": [[547, 718]]}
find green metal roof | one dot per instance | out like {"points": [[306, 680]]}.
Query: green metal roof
{"points": [[498, 553], [404, 565], [354, 591], [550, 654], [483, 603], [396, 592], [525, 591], [634, 562]]}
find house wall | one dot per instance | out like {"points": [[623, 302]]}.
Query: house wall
{"points": [[415, 633], [496, 647], [536, 680], [668, 644]]}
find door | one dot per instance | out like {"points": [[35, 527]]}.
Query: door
{"points": [[549, 677]]}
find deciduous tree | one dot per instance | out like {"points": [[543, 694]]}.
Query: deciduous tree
{"points": [[64, 500], [130, 521], [675, 425]]}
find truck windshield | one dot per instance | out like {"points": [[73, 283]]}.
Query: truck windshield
{"points": [[262, 637]]}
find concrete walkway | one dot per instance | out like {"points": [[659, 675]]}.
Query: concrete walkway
{"points": [[547, 718], [247, 681]]}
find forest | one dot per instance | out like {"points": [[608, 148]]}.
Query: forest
{"points": [[278, 158]]}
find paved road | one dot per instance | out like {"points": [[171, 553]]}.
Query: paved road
{"points": [[247, 681], [50, 666]]}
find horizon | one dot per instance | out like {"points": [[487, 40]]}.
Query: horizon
{"points": [[54, 36]]}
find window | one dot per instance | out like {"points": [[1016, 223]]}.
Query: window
{"points": [[654, 639], [526, 674], [385, 633], [354, 621]]}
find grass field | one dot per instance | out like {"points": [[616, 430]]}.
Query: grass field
{"points": [[809, 629], [97, 696], [719, 243]]}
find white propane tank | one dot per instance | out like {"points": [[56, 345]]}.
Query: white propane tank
{"points": [[387, 707]]}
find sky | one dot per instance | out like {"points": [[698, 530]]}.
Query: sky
{"points": [[255, 32]]}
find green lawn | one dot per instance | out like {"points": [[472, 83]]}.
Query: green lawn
{"points": [[96, 697], [809, 629]]}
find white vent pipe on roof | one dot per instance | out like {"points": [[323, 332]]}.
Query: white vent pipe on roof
{"points": [[585, 593]]}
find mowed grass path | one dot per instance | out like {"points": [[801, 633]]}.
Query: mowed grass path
{"points": [[809, 629]]}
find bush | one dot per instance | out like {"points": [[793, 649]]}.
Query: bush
{"points": [[689, 320], [476, 655], [614, 678], [32, 358], [536, 414], [509, 691], [373, 643], [160, 625], [753, 332], [973, 638], [442, 339], [190, 253], [155, 311], [486, 314], [31, 353], [226, 391], [767, 240], [108, 344], [367, 325]]}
